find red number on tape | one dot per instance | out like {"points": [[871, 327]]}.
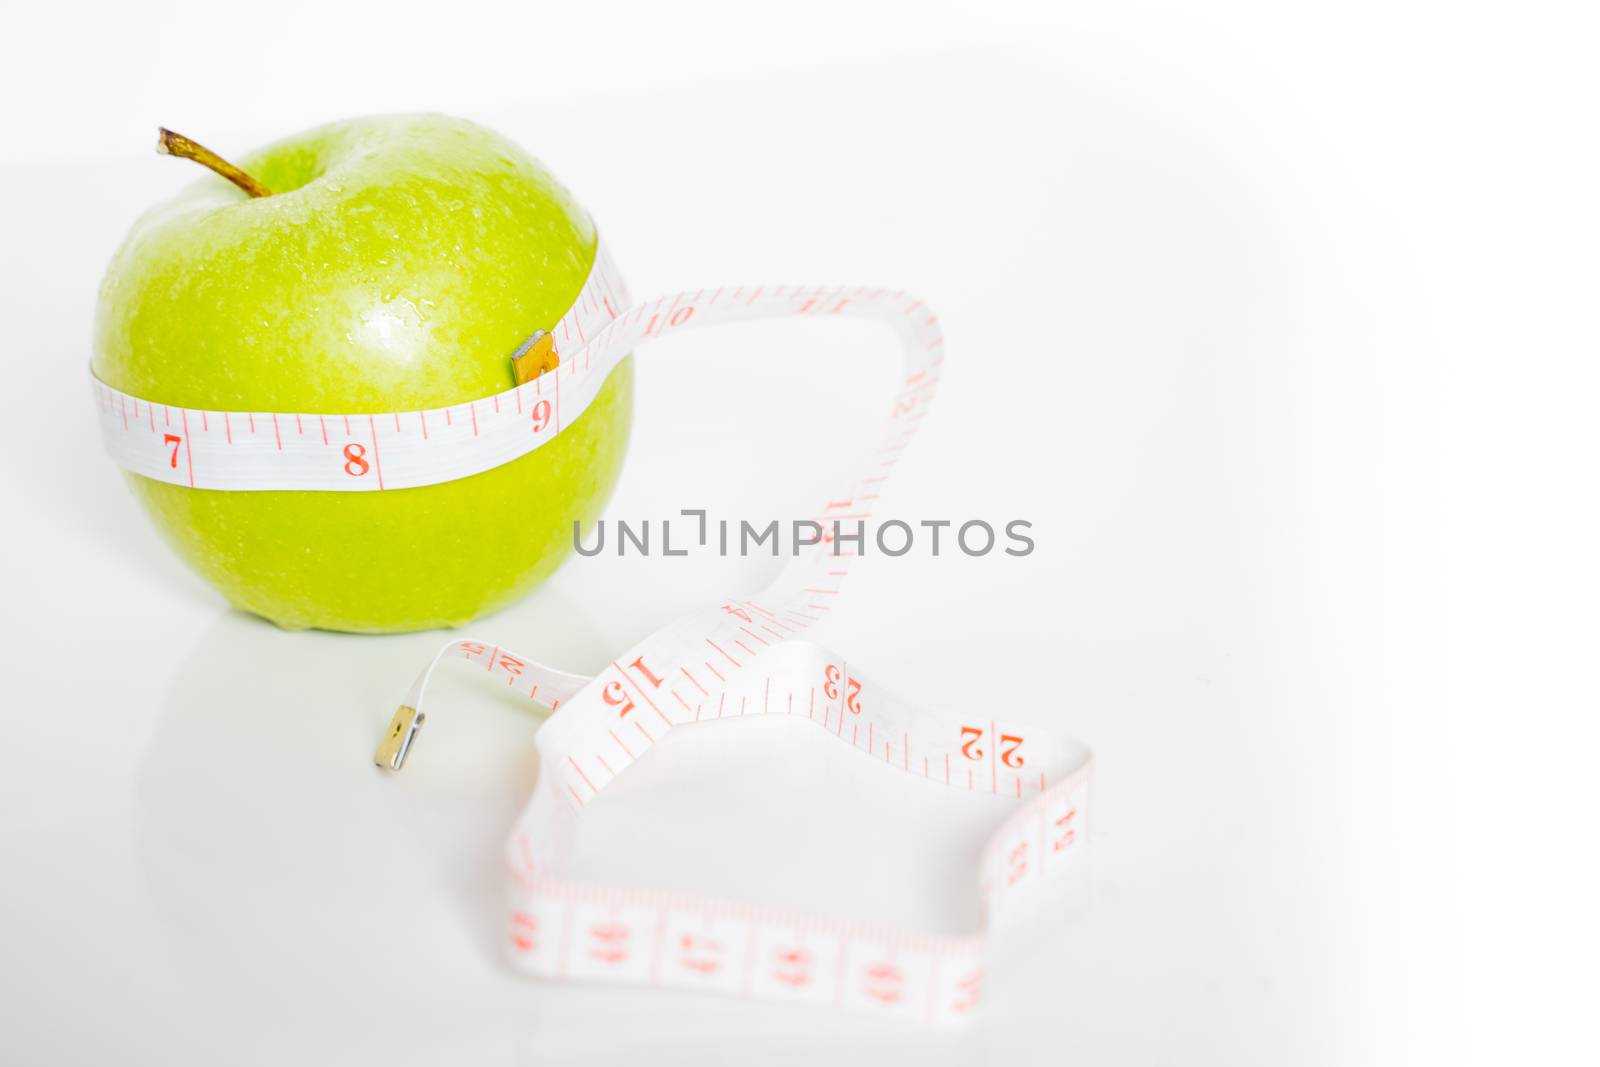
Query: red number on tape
{"points": [[639, 666], [524, 931], [1065, 834], [969, 991], [1019, 864], [609, 943], [355, 464], [617, 697], [792, 966], [884, 981], [830, 688], [700, 954]]}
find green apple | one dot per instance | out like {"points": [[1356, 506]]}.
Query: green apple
{"points": [[396, 265]]}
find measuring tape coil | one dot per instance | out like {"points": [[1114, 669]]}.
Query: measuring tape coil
{"points": [[747, 654]]}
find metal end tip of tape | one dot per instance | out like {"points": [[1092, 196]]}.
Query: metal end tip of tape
{"points": [[396, 743], [535, 356]]}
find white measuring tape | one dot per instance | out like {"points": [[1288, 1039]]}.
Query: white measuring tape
{"points": [[740, 657]]}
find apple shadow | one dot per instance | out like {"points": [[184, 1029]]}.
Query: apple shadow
{"points": [[284, 869]]}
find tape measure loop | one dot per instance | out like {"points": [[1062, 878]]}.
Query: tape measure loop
{"points": [[749, 650]]}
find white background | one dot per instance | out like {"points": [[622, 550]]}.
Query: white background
{"points": [[1295, 308]]}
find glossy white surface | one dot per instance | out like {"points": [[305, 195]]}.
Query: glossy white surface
{"points": [[1305, 444]]}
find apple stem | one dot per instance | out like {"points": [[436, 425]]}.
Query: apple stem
{"points": [[176, 144]]}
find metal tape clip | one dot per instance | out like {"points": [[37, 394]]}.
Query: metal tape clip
{"points": [[535, 356], [397, 742]]}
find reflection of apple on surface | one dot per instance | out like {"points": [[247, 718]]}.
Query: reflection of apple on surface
{"points": [[396, 264]]}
